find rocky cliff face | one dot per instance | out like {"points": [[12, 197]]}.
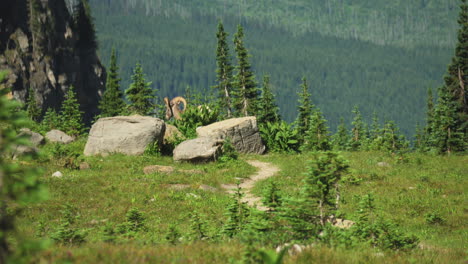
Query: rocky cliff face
{"points": [[40, 46]]}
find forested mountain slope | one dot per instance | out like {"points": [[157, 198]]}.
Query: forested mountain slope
{"points": [[175, 42]]}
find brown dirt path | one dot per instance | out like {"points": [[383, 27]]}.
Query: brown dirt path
{"points": [[265, 171]]}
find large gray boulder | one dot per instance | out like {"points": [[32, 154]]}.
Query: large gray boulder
{"points": [[198, 150], [243, 133], [129, 135], [36, 139], [58, 136]]}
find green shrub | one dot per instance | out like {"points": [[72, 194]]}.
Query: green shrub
{"points": [[279, 137], [228, 153], [434, 218], [194, 117]]}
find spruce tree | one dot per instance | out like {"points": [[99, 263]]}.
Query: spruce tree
{"points": [[19, 184], [357, 132], [112, 103], [223, 72], [70, 115], [139, 94], [341, 138], [32, 108], [317, 138], [446, 137], [392, 139], [84, 26], [305, 111], [450, 124], [237, 213], [268, 110], [245, 87]]}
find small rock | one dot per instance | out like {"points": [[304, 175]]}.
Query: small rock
{"points": [[342, 223], [59, 137], [24, 150], [57, 174], [383, 164], [158, 168], [193, 195], [411, 188], [179, 187], [84, 166], [207, 188]]}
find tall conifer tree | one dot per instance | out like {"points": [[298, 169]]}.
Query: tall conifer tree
{"points": [[112, 103], [223, 72], [305, 110], [139, 94], [450, 124], [245, 88], [268, 110]]}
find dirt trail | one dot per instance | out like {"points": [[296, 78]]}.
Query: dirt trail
{"points": [[265, 171]]}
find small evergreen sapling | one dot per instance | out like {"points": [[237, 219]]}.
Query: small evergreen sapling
{"points": [[139, 94], [340, 140], [70, 115], [112, 103], [238, 213], [268, 110], [32, 108]]}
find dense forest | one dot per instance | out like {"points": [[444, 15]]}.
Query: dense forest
{"points": [[175, 43]]}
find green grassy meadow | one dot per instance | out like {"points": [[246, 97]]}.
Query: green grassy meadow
{"points": [[425, 195]]}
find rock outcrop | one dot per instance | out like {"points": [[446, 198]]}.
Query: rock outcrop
{"points": [[129, 135], [58, 136], [200, 149], [243, 133], [41, 48]]}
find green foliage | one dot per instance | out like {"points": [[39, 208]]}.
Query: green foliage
{"points": [[237, 214], [194, 117], [66, 233], [198, 227], [108, 234], [50, 121], [317, 137], [139, 94], [245, 89], [173, 235], [228, 153], [153, 149], [304, 111], [19, 185], [373, 229], [340, 140], [271, 197], [223, 72], [434, 218], [279, 137], [32, 108], [357, 131], [71, 118], [392, 140], [267, 109], [112, 103], [135, 222], [307, 213], [449, 127]]}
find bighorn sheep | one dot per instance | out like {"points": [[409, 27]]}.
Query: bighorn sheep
{"points": [[173, 107]]}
